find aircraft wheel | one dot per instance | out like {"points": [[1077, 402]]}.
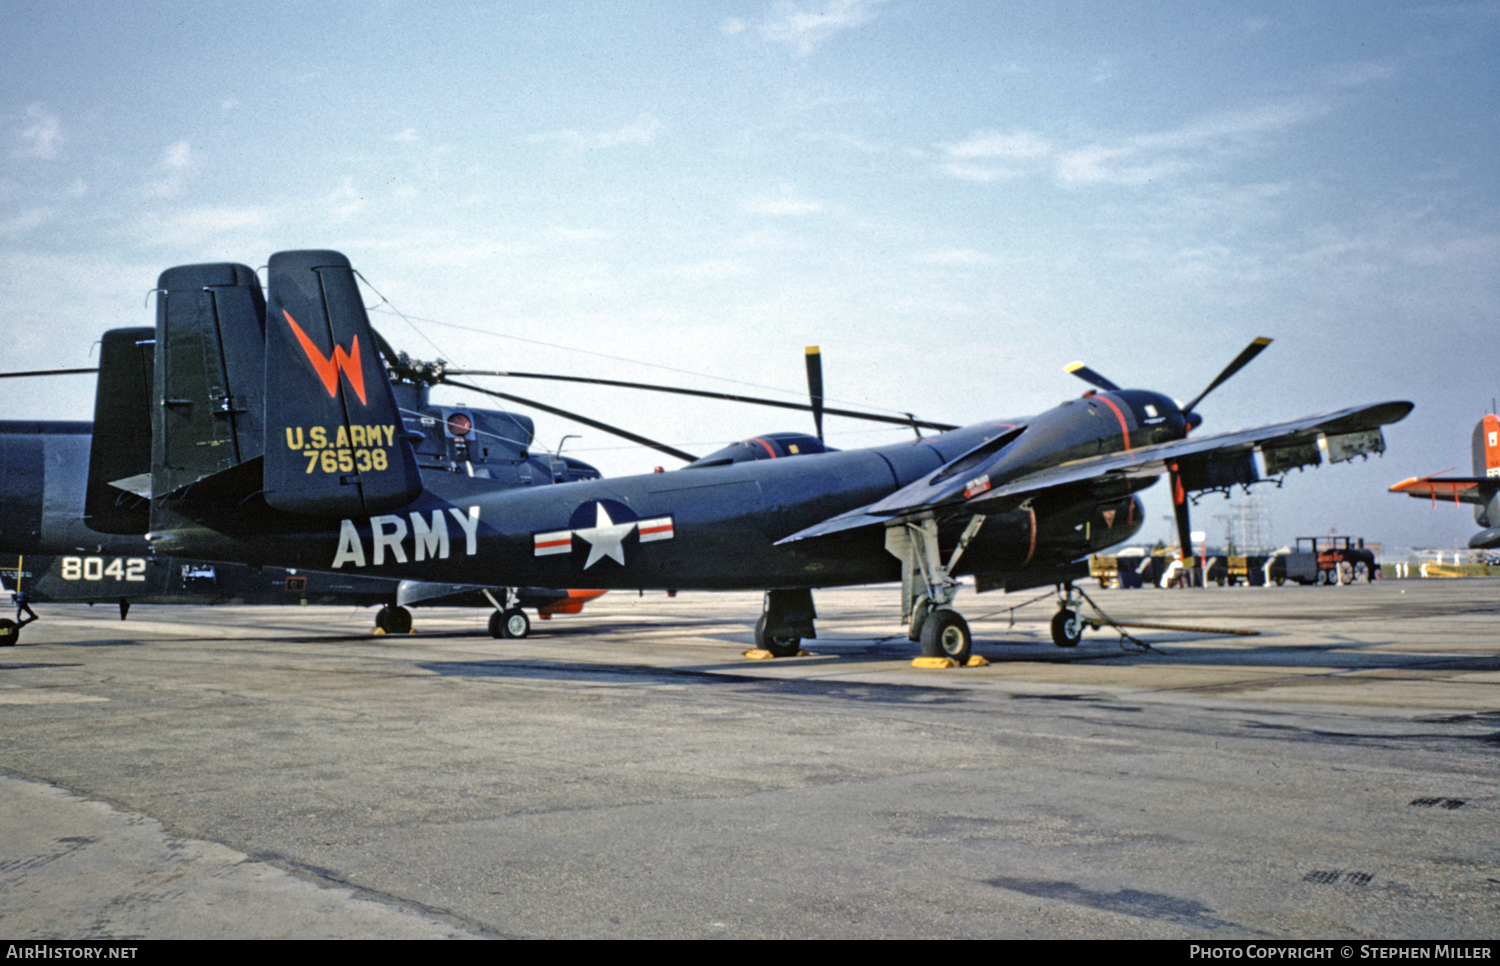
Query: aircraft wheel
{"points": [[514, 624], [781, 646], [383, 619], [946, 634], [497, 628], [398, 621], [10, 632], [1067, 628]]}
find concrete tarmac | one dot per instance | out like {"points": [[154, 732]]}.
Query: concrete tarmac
{"points": [[278, 772]]}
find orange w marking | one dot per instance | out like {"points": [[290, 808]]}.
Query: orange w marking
{"points": [[328, 368]]}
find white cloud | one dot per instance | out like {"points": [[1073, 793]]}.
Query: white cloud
{"points": [[1134, 160], [25, 221], [42, 133], [407, 136], [957, 256], [1016, 145], [785, 201], [196, 227], [175, 161], [177, 156], [805, 30], [642, 131]]}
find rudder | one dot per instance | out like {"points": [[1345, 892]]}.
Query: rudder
{"points": [[336, 443]]}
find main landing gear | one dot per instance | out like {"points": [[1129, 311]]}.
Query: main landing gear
{"points": [[928, 587], [509, 621], [10, 630], [785, 620], [393, 619]]}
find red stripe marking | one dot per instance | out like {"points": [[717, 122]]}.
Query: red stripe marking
{"points": [[1124, 430], [664, 528], [554, 543], [767, 446]]}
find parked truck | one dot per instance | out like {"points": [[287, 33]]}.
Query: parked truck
{"points": [[1325, 560]]}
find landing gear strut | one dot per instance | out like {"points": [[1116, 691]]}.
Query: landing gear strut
{"points": [[928, 587], [1067, 625], [509, 621], [786, 619]]}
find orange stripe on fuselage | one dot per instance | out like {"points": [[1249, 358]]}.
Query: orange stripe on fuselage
{"points": [[1124, 430]]}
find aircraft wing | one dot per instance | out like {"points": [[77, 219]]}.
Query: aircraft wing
{"points": [[1459, 489], [1203, 462]]}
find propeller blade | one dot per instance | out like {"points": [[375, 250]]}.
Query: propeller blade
{"points": [[815, 386], [1091, 377], [46, 372], [1240, 361], [596, 424], [704, 394]]}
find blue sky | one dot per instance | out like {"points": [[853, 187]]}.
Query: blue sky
{"points": [[953, 200]]}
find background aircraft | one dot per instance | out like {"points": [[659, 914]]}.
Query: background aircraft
{"points": [[295, 454], [1482, 489], [69, 547]]}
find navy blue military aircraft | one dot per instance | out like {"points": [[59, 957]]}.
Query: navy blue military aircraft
{"points": [[73, 543], [292, 452]]}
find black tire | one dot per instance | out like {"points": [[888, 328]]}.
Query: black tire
{"points": [[1279, 580], [10, 632], [779, 646], [514, 624], [1067, 628], [383, 619], [398, 621], [497, 629], [946, 634]]}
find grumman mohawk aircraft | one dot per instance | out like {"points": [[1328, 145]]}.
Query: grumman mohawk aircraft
{"points": [[299, 457]]}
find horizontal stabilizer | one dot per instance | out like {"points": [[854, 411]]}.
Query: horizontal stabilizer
{"points": [[336, 444], [1459, 489]]}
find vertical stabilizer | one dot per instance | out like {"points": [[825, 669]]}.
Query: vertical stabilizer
{"points": [[210, 343], [1486, 446], [335, 442], [117, 497]]}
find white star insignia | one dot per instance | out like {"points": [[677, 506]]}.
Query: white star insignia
{"points": [[605, 538]]}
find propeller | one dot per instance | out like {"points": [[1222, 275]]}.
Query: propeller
{"points": [[815, 386], [1193, 420]]}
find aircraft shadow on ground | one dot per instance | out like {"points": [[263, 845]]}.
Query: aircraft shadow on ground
{"points": [[715, 676]]}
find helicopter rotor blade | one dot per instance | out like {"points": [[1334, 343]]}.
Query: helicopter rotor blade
{"points": [[815, 386], [596, 424], [1240, 361], [704, 394], [47, 372]]}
